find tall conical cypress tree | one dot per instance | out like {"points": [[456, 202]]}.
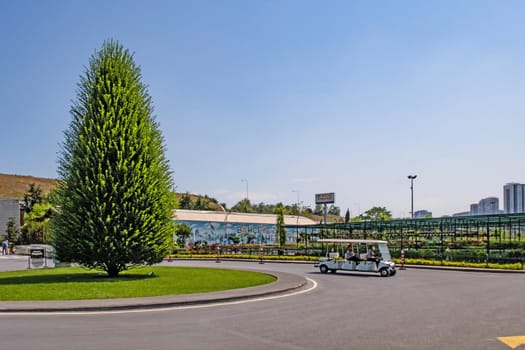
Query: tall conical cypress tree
{"points": [[114, 198], [280, 229]]}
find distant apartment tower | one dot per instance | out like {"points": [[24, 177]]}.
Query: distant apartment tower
{"points": [[514, 198], [488, 206]]}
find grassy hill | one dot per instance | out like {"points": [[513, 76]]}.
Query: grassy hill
{"points": [[15, 186]]}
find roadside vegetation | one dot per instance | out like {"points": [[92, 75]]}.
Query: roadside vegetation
{"points": [[461, 256]]}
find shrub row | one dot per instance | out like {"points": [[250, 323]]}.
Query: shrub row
{"points": [[510, 266], [408, 261]]}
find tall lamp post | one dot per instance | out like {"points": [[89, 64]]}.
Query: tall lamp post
{"points": [[298, 213], [412, 177], [246, 180]]}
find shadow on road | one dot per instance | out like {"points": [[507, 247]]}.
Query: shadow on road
{"points": [[346, 274]]}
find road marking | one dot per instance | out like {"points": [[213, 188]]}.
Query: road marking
{"points": [[513, 342], [171, 308]]}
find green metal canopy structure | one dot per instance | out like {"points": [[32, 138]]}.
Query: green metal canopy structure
{"points": [[469, 238]]}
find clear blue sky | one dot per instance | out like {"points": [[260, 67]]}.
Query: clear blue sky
{"points": [[314, 96]]}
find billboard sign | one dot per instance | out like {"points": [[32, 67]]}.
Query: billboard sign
{"points": [[325, 198]]}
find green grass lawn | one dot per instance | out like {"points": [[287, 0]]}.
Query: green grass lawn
{"points": [[74, 283]]}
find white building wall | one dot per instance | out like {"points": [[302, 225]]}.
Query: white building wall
{"points": [[9, 208]]}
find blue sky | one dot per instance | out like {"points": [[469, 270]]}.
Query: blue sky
{"points": [[313, 96]]}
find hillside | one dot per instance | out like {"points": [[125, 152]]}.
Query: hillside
{"points": [[15, 186]]}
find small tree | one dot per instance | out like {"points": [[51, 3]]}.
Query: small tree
{"points": [[347, 216], [244, 206], [334, 210], [182, 232], [280, 230], [114, 195], [304, 237], [185, 201], [12, 230], [378, 213], [36, 226], [32, 197]]}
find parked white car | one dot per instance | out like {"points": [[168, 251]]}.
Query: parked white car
{"points": [[361, 255]]}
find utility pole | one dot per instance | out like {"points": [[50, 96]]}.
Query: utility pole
{"points": [[412, 177]]}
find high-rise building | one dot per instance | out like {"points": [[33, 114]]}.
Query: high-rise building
{"points": [[488, 206], [514, 198]]}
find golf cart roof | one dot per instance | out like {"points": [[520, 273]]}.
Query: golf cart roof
{"points": [[351, 241]]}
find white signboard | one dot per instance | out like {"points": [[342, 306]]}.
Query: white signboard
{"points": [[325, 198]]}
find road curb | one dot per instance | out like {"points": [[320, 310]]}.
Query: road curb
{"points": [[457, 268], [398, 266], [286, 282]]}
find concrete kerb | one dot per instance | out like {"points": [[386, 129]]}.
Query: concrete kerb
{"points": [[265, 261], [398, 266], [285, 283], [457, 268]]}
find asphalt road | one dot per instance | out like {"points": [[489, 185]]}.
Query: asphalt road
{"points": [[416, 309]]}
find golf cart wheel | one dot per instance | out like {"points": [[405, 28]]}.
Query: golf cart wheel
{"points": [[393, 272], [323, 269], [384, 272]]}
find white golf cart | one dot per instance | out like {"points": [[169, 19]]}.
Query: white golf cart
{"points": [[361, 256]]}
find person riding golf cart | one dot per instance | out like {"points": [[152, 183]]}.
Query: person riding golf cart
{"points": [[362, 255]]}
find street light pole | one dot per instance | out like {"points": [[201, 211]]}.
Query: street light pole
{"points": [[412, 177], [246, 180], [298, 213]]}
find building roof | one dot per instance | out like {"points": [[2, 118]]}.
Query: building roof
{"points": [[244, 218]]}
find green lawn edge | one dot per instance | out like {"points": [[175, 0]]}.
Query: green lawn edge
{"points": [[75, 283]]}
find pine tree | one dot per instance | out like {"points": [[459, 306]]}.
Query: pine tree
{"points": [[114, 199]]}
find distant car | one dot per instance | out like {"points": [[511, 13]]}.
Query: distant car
{"points": [[361, 260]]}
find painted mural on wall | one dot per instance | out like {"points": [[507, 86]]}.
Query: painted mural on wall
{"points": [[222, 233]]}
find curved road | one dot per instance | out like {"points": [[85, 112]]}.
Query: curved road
{"points": [[416, 309]]}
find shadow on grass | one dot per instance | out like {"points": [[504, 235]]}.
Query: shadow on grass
{"points": [[89, 277]]}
